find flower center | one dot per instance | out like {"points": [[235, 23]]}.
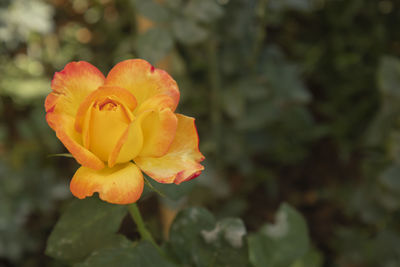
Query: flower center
{"points": [[106, 121], [107, 104]]}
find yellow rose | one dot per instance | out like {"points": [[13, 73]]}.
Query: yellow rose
{"points": [[118, 126]]}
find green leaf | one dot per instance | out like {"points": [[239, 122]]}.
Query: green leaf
{"points": [[143, 254], [284, 78], [234, 103], [211, 243], [188, 32], [154, 44], [172, 191], [85, 225], [151, 10], [280, 244], [390, 178], [152, 188], [389, 77], [66, 155], [203, 10], [300, 5], [313, 258], [173, 3]]}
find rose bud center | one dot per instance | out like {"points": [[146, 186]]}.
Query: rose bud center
{"points": [[106, 122]]}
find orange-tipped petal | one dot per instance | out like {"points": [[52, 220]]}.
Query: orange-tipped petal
{"points": [[122, 184], [159, 130], [64, 128], [130, 143], [71, 86], [114, 93], [155, 103], [143, 80], [182, 161]]}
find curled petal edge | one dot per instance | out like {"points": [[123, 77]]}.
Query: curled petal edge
{"points": [[122, 184], [182, 161]]}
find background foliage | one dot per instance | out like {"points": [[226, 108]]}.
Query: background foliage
{"points": [[296, 101]]}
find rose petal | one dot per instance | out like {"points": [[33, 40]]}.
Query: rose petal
{"points": [[71, 86], [156, 103], [65, 131], [122, 184], [181, 163], [159, 130], [118, 94], [130, 143], [105, 128], [143, 80]]}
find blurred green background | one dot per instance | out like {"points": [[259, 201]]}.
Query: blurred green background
{"points": [[295, 101]]}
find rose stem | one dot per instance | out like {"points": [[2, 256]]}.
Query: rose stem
{"points": [[144, 233]]}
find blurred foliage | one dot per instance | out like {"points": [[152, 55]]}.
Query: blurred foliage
{"points": [[295, 101]]}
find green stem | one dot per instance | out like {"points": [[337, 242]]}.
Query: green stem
{"points": [[144, 233]]}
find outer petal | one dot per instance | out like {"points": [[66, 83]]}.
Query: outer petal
{"points": [[122, 184], [155, 103], [159, 130], [64, 127], [71, 86], [181, 163], [143, 80]]}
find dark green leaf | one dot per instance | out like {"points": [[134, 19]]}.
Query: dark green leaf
{"points": [[391, 178], [300, 5], [188, 32], [389, 77], [85, 225], [154, 44], [67, 155], [211, 243], [234, 103], [313, 258], [280, 244], [173, 3], [203, 10], [172, 191], [151, 10], [142, 255]]}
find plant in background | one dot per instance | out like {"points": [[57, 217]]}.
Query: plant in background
{"points": [[129, 116], [283, 92]]}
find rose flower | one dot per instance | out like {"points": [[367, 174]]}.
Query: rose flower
{"points": [[119, 126]]}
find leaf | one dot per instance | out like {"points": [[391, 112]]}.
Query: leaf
{"points": [[173, 3], [151, 10], [234, 103], [212, 243], [154, 44], [143, 254], [389, 78], [85, 225], [172, 191], [313, 258], [284, 78], [280, 244], [188, 32], [152, 188], [300, 5], [67, 155], [390, 178], [203, 10]]}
